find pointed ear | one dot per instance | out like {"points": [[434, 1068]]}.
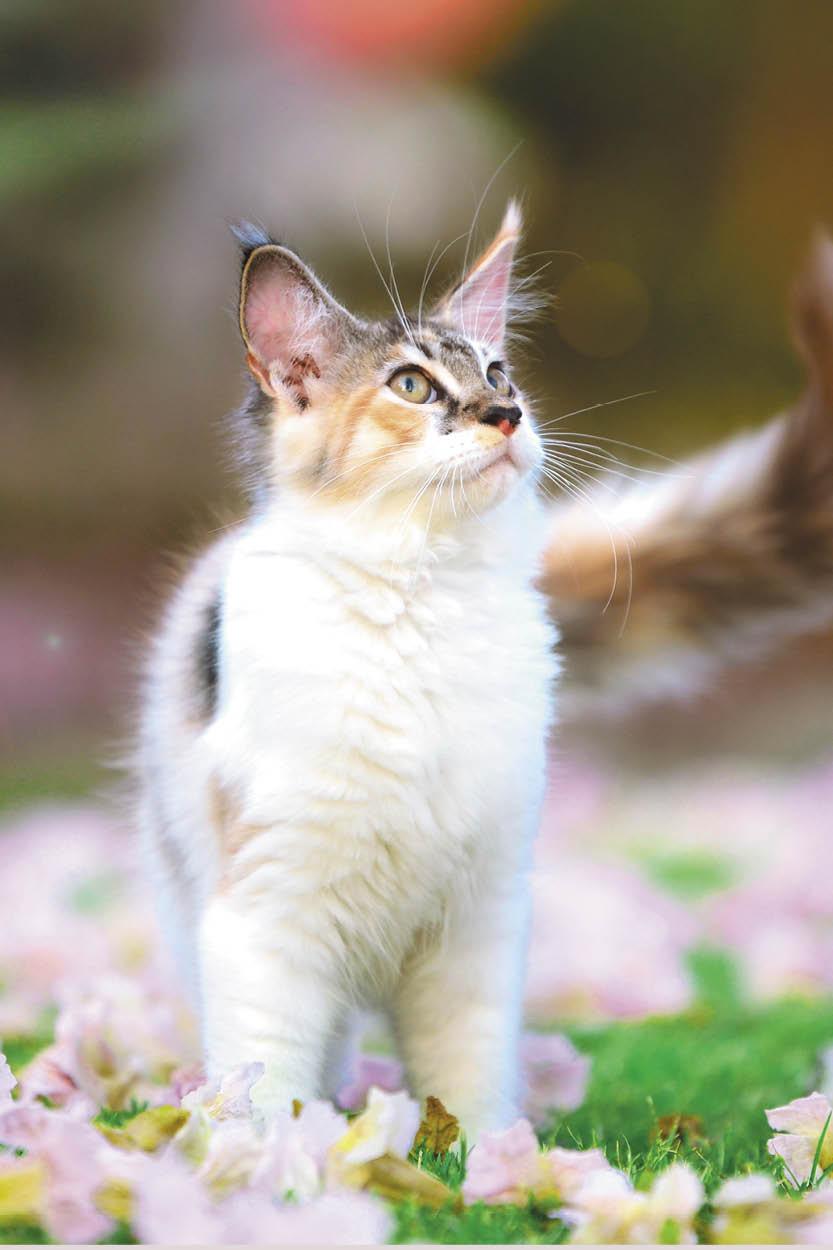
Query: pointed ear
{"points": [[291, 325], [478, 306]]}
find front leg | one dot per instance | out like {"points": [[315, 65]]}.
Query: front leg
{"points": [[457, 1011], [268, 994]]}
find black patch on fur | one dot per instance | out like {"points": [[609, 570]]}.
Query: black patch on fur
{"points": [[208, 656], [452, 410]]}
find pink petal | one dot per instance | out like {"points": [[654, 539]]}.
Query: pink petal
{"points": [[679, 1193], [170, 1204], [805, 1116], [797, 1152], [71, 1151], [503, 1167], [376, 1070], [336, 1219], [186, 1080], [555, 1074], [7, 1082], [570, 1169]]}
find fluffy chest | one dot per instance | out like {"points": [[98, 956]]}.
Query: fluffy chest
{"points": [[379, 731]]}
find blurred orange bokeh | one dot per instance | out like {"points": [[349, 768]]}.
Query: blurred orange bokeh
{"points": [[418, 39]]}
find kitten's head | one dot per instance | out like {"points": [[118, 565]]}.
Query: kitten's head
{"points": [[414, 413]]}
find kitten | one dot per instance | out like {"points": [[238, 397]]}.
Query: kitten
{"points": [[342, 748]]}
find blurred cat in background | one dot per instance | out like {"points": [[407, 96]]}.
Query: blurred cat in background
{"points": [[659, 585]]}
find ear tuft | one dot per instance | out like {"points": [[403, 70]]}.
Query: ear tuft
{"points": [[478, 307], [249, 238]]}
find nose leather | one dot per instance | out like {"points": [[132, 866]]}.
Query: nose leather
{"points": [[498, 414]]}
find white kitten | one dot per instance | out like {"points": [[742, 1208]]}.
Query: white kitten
{"points": [[343, 743]]}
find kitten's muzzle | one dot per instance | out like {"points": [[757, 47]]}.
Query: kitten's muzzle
{"points": [[505, 417]]}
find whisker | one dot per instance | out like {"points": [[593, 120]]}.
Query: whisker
{"points": [[585, 445], [603, 403], [377, 267], [432, 270], [412, 505], [373, 495], [627, 540], [566, 482], [390, 454], [400, 307], [600, 466], [424, 547], [619, 442], [422, 287], [481, 202]]}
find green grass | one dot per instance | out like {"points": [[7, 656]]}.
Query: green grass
{"points": [[477, 1224], [21, 1050], [723, 1067], [117, 1119], [688, 874], [722, 1062]]}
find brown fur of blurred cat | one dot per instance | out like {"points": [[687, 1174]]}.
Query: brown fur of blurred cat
{"points": [[660, 585]]}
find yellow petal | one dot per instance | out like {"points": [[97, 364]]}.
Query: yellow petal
{"points": [[115, 1199], [21, 1192], [394, 1178], [148, 1130]]}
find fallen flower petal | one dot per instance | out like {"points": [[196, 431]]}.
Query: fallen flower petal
{"points": [[507, 1167], [228, 1098], [387, 1126], [8, 1081], [70, 1152], [147, 1131], [555, 1074], [749, 1210], [608, 1210], [805, 1125], [370, 1070], [22, 1185]]}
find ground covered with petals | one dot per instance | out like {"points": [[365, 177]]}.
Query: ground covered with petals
{"points": [[677, 1071]]}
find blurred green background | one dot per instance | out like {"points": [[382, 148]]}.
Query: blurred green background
{"points": [[673, 158]]}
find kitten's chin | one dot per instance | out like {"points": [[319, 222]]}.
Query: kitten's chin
{"points": [[490, 484]]}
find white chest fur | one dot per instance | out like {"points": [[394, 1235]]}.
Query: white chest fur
{"points": [[381, 726]]}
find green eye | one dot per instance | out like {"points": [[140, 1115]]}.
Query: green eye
{"points": [[498, 379], [413, 385]]}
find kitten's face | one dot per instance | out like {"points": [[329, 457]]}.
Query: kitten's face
{"points": [[409, 418]]}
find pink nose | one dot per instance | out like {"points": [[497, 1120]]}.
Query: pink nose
{"points": [[506, 427]]}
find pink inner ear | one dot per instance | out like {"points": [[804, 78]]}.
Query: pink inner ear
{"points": [[479, 306], [285, 320]]}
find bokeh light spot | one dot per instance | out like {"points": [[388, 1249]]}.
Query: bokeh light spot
{"points": [[603, 309]]}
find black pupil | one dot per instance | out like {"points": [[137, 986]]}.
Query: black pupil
{"points": [[409, 383]]}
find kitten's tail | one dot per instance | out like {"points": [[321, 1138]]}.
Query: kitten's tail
{"points": [[721, 559]]}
